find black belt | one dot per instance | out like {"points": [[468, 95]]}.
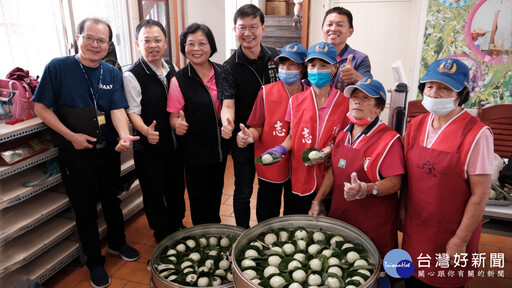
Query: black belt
{"points": [[100, 145]]}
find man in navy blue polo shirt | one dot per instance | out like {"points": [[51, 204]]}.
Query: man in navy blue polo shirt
{"points": [[82, 99]]}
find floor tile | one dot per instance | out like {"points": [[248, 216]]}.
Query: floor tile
{"points": [[134, 271], [68, 277], [117, 283], [226, 210], [486, 282], [507, 252], [113, 263], [228, 220], [138, 236], [496, 240], [136, 285], [145, 252]]}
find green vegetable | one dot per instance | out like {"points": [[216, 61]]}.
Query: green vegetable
{"points": [[197, 261], [318, 259], [306, 155], [275, 159]]}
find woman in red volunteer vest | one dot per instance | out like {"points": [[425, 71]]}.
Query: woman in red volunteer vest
{"points": [[367, 168], [316, 116], [449, 160], [268, 128]]}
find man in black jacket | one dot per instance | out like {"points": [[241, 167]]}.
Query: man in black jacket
{"points": [[250, 67], [157, 159]]}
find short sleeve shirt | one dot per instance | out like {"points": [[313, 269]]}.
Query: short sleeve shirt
{"points": [[63, 86]]}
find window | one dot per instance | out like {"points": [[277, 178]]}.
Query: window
{"points": [[30, 38], [32, 32], [115, 13]]}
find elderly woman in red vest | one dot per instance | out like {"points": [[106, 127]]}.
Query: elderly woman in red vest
{"points": [[316, 116], [367, 169], [449, 158], [269, 128]]}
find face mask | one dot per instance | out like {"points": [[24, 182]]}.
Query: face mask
{"points": [[438, 106], [362, 122], [319, 78], [289, 77]]}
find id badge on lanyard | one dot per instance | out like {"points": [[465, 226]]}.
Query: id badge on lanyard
{"points": [[100, 116]]}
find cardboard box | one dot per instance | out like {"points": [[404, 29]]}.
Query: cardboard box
{"points": [[276, 8], [290, 10]]}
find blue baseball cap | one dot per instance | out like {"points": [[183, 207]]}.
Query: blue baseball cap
{"points": [[323, 50], [369, 86], [295, 52], [449, 71]]}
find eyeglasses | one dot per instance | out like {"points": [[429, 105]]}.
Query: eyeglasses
{"points": [[147, 42], [192, 45], [90, 40], [243, 29]]}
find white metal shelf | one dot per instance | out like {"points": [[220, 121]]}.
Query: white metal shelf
{"points": [[34, 242], [127, 166], [9, 170], [11, 132], [13, 191], [46, 265], [31, 244], [18, 219], [499, 212]]}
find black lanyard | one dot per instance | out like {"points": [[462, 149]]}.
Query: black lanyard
{"points": [[89, 82]]}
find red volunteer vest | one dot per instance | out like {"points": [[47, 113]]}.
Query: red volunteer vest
{"points": [[377, 217], [274, 132], [307, 134], [438, 194]]}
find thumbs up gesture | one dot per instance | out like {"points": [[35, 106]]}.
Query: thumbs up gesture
{"points": [[151, 134], [181, 124], [227, 128], [355, 189], [244, 137], [348, 73]]}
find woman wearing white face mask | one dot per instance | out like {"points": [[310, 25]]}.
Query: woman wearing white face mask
{"points": [[316, 116], [367, 161], [268, 128], [449, 160]]}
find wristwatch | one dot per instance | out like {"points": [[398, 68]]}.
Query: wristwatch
{"points": [[374, 192]]}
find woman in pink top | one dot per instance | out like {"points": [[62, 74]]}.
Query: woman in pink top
{"points": [[195, 116]]}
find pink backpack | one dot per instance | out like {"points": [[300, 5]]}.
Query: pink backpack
{"points": [[16, 94]]}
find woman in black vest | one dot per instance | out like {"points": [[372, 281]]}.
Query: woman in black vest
{"points": [[195, 116]]}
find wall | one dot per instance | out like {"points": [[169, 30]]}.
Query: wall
{"points": [[212, 14], [386, 30]]}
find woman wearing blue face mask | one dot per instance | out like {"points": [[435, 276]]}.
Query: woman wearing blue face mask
{"points": [[316, 116], [449, 160], [269, 128]]}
